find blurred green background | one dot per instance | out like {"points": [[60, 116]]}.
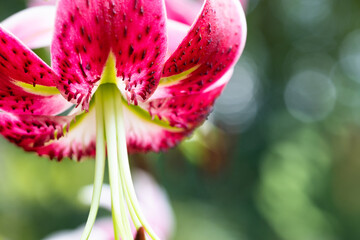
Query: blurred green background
{"points": [[283, 164]]}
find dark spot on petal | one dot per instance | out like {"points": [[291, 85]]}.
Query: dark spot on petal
{"points": [[82, 70], [143, 55], [82, 30], [3, 57], [131, 49], [125, 31]]}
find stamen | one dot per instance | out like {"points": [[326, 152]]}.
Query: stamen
{"points": [[125, 172], [99, 167], [111, 127], [122, 150], [117, 196]]}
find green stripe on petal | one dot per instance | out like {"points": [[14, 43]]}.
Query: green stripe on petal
{"points": [[38, 89], [145, 115], [177, 78]]}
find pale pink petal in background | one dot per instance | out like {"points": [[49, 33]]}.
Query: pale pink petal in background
{"points": [[184, 11], [33, 26], [177, 31], [244, 3], [153, 201], [33, 3]]}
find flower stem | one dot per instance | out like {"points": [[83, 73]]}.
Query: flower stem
{"points": [[99, 168]]}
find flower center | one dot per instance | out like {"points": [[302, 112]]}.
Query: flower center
{"points": [[111, 130]]}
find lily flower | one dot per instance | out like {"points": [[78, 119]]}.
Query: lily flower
{"points": [[152, 199], [139, 82]]}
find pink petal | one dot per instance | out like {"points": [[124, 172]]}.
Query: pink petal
{"points": [[155, 204], [33, 26], [102, 230], [145, 135], [30, 131], [78, 143], [18, 65], [133, 30], [141, 32], [186, 111], [244, 3], [211, 48], [184, 11]]}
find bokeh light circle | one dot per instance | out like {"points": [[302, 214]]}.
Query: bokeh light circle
{"points": [[238, 105], [350, 55], [310, 96]]}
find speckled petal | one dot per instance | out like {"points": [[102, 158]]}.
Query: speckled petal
{"points": [[78, 143], [26, 82], [33, 26], [139, 43], [30, 131], [86, 32], [186, 111], [144, 134], [212, 47], [80, 48]]}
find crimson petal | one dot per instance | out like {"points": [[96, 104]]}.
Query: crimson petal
{"points": [[212, 47], [32, 131], [86, 32], [26, 82], [57, 137], [78, 143], [186, 111]]}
